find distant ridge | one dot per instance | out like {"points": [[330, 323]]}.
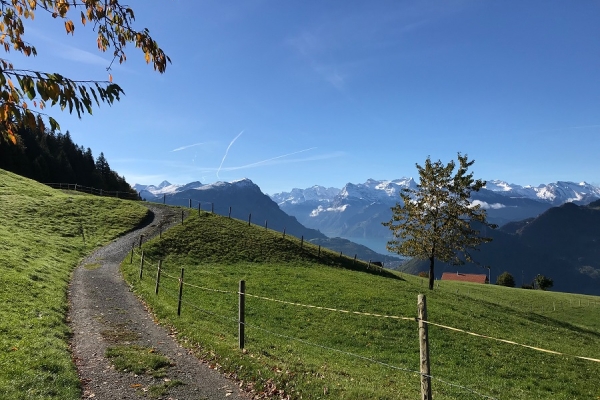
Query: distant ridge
{"points": [[245, 198], [357, 210], [562, 243]]}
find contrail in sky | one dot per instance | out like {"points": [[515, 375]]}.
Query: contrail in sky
{"points": [[227, 151], [187, 147], [270, 159]]}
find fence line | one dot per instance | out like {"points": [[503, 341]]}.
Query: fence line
{"points": [[391, 317], [209, 289], [242, 323], [510, 342], [366, 359], [98, 192], [191, 205], [331, 309], [308, 343]]}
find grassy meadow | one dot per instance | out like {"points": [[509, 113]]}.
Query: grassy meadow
{"points": [[43, 235], [318, 354], [305, 352]]}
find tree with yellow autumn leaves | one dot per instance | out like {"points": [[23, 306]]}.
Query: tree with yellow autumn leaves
{"points": [[25, 94]]}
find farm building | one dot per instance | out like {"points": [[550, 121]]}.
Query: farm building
{"points": [[473, 278]]}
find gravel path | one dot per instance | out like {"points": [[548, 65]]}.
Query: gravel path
{"points": [[103, 312]]}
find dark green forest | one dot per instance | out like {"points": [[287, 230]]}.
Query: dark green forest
{"points": [[54, 158]]}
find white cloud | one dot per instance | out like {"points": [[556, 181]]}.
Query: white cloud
{"points": [[487, 206], [321, 209]]}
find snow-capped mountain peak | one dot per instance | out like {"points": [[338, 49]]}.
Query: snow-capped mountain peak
{"points": [[555, 193], [374, 190], [316, 193]]}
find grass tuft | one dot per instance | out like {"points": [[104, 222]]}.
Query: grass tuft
{"points": [[138, 360], [163, 388]]}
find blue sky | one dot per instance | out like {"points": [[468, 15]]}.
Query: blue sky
{"points": [[296, 93]]}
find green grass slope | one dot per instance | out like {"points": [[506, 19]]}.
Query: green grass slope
{"points": [[316, 353], [43, 235]]}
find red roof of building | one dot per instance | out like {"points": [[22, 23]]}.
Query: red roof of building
{"points": [[474, 278]]}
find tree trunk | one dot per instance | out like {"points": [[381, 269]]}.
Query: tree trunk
{"points": [[431, 262]]}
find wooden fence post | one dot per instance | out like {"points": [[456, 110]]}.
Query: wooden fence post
{"points": [[284, 232], [180, 293], [212, 208], [190, 204], [142, 266], [302, 241], [141, 238], [131, 258], [229, 215], [266, 224], [158, 276], [241, 314], [249, 218], [319, 253], [424, 348], [198, 208], [164, 198]]}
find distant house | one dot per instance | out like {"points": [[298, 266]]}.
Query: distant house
{"points": [[473, 278]]}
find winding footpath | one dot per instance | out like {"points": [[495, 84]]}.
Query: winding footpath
{"points": [[104, 312]]}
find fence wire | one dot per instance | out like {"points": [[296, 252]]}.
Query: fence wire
{"points": [[331, 309], [193, 306], [535, 348], [328, 348], [510, 342], [390, 317]]}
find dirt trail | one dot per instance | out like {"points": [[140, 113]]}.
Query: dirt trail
{"points": [[104, 312]]}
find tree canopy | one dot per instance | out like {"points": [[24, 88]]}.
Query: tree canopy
{"points": [[543, 282], [24, 94], [437, 219], [54, 158], [506, 279]]}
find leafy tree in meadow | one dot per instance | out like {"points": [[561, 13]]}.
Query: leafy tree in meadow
{"points": [[543, 282], [506, 279], [24, 94], [437, 220]]}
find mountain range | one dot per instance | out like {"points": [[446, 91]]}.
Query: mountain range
{"points": [[243, 197], [245, 200], [357, 210]]}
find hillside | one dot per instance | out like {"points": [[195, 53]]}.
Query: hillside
{"points": [[216, 239], [43, 235], [562, 243], [362, 252], [319, 327], [243, 197]]}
